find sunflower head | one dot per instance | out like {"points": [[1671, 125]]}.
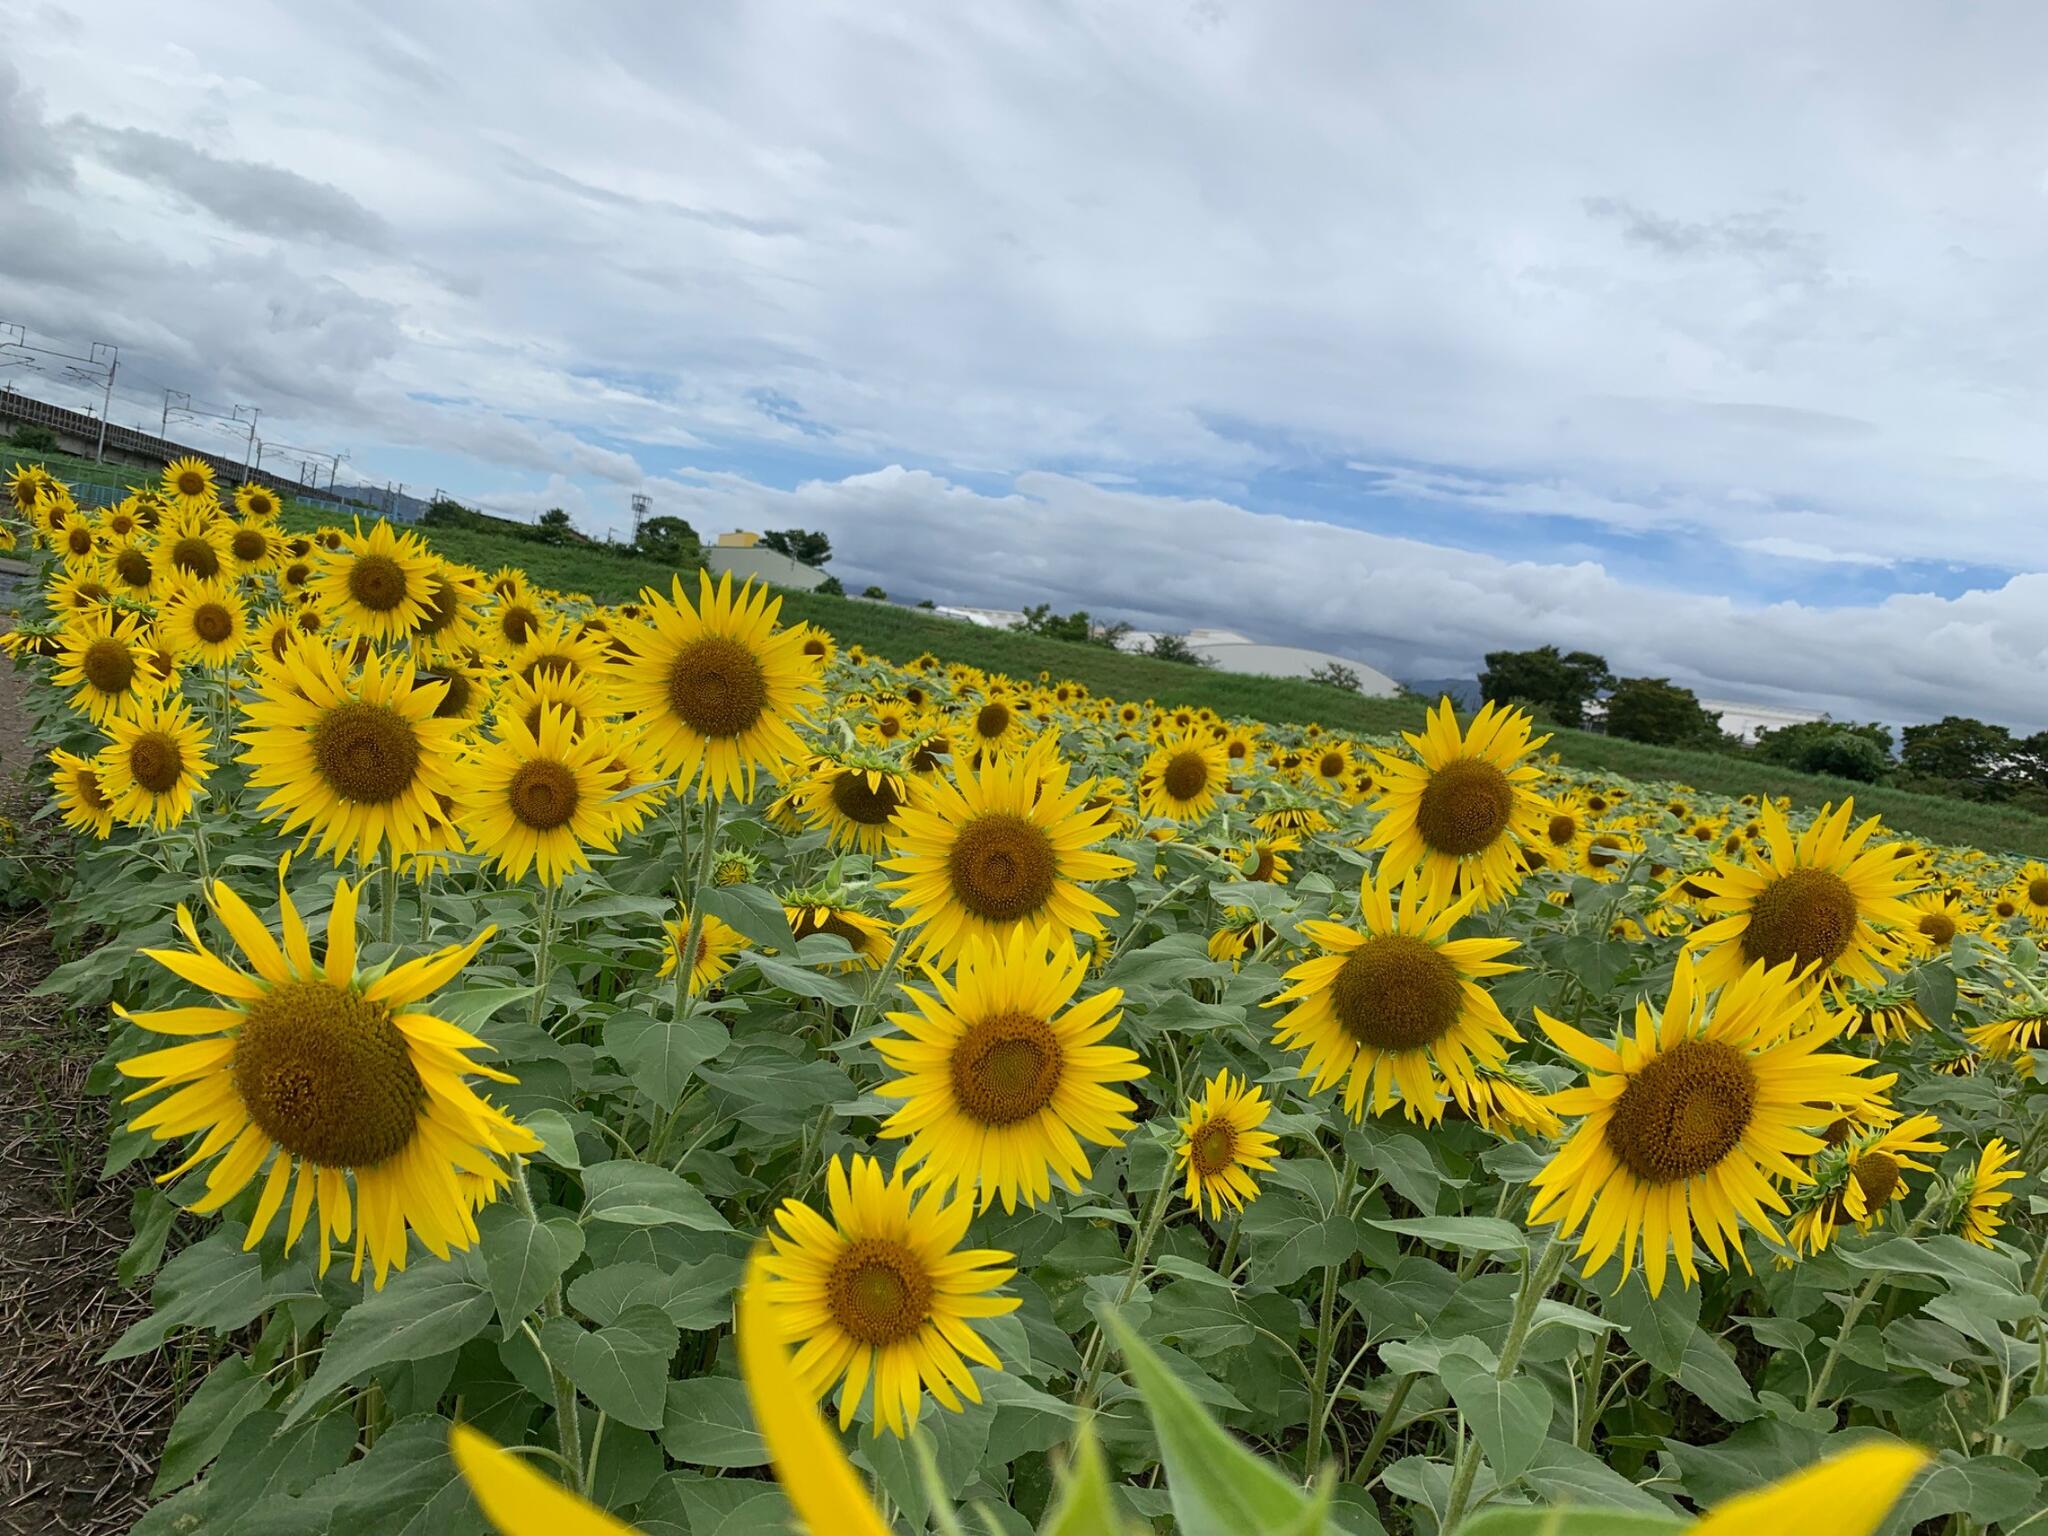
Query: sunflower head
{"points": [[1221, 1146]]}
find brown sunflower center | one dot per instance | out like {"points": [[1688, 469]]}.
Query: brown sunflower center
{"points": [[1562, 829], [543, 794], [212, 622], [438, 606], [2037, 891], [1939, 927], [109, 665], [78, 539], [1807, 916], [1465, 807], [196, 556], [871, 804], [2006, 908], [1213, 1147], [1185, 776], [132, 566], [1396, 993], [807, 922], [1877, 1175], [456, 700], [878, 1291], [327, 1076], [1006, 1069], [249, 544], [1683, 1112], [297, 574], [717, 686], [86, 785], [1267, 867], [367, 753], [1002, 866], [814, 646], [992, 719], [191, 483], [1331, 765], [377, 582]]}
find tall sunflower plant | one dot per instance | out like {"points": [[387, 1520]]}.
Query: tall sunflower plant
{"points": [[751, 1076]]}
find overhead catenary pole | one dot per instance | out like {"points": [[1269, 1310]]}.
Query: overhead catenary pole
{"points": [[99, 453]]}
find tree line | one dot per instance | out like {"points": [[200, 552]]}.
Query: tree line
{"points": [[1957, 755]]}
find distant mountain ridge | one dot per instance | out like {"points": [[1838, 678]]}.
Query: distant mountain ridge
{"points": [[1463, 691]]}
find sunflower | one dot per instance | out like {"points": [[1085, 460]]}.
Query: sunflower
{"points": [[818, 646], [889, 721], [1885, 1013], [1182, 777], [997, 848], [1391, 1006], [330, 1073], [1859, 1178], [870, 938], [189, 480], [77, 542], [376, 584], [357, 757], [1288, 813], [451, 614], [80, 589], [25, 485], [539, 798], [853, 798], [206, 622], [717, 942], [254, 547], [154, 764], [132, 570], [193, 545], [575, 695], [1458, 809], [992, 724], [1977, 1218], [81, 797], [717, 687], [103, 657], [1689, 1120], [1942, 918], [469, 691], [558, 648], [2029, 893], [1221, 1145], [1329, 765], [2017, 1035], [1818, 901], [884, 1290], [999, 1087], [258, 502], [1241, 933], [1265, 858]]}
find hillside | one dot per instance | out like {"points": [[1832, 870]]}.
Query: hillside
{"points": [[900, 633]]}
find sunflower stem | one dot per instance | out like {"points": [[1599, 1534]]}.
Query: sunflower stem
{"points": [[1383, 1431], [1852, 1312], [1141, 1247], [388, 917], [1230, 1245], [686, 959], [1589, 1405], [543, 955], [1539, 1273], [569, 1431], [1326, 1340]]}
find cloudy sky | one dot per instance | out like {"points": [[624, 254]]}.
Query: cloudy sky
{"points": [[1708, 335]]}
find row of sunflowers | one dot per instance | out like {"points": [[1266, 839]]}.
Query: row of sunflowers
{"points": [[1469, 1137]]}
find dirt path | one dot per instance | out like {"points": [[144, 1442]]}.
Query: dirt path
{"points": [[78, 1440]]}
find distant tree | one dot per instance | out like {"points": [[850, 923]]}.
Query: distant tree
{"points": [[925, 602], [554, 527], [1656, 710], [670, 540], [1562, 683], [447, 512], [830, 587], [1845, 750], [2028, 762], [800, 544], [1337, 675], [1041, 620], [875, 592], [1176, 648], [27, 437], [1968, 753]]}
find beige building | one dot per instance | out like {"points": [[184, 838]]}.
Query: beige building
{"points": [[741, 553]]}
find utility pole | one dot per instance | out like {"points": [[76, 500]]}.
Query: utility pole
{"points": [[96, 366], [248, 453], [164, 425], [642, 505], [113, 359]]}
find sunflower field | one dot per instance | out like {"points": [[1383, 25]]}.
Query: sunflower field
{"points": [[643, 1067]]}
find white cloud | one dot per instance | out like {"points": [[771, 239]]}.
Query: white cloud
{"points": [[1413, 608]]}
